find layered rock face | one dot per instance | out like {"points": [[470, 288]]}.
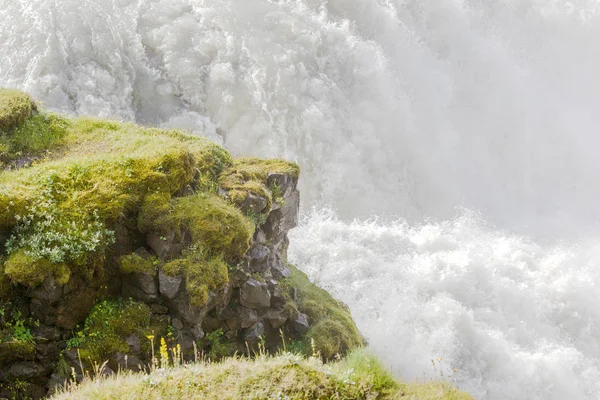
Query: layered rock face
{"points": [[135, 247]]}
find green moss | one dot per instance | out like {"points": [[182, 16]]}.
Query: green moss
{"points": [[35, 135], [14, 202], [154, 214], [14, 349], [216, 228], [135, 263], [24, 269], [15, 107], [16, 340], [201, 275], [249, 175], [107, 327], [333, 330]]}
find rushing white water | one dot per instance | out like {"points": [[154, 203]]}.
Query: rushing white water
{"points": [[448, 148]]}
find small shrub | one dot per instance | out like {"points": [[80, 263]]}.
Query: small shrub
{"points": [[108, 325]]}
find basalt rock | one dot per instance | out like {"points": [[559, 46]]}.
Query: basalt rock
{"points": [[255, 294]]}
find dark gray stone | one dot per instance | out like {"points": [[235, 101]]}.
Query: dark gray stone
{"points": [[161, 244], [177, 324], [277, 296], [47, 315], [278, 268], [276, 317], [145, 283], [289, 211], [169, 285], [143, 253], [56, 382], [47, 352], [26, 370], [48, 292], [135, 346], [258, 258], [253, 203], [286, 183], [300, 324], [197, 332], [46, 332], [255, 294], [253, 334], [182, 308], [260, 236], [242, 317]]}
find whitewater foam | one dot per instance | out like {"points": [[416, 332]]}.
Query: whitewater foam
{"points": [[393, 108]]}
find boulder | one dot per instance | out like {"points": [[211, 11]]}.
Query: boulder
{"points": [[253, 334], [255, 294], [135, 346], [300, 324], [26, 370], [241, 317], [48, 292], [258, 258], [278, 268], [162, 245], [169, 285], [253, 203], [276, 317]]}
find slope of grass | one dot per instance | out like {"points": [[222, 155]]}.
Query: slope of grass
{"points": [[286, 376]]}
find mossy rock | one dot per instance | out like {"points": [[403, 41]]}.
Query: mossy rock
{"points": [[15, 107], [201, 275], [108, 326], [24, 269], [134, 263], [249, 176], [333, 331], [15, 350]]}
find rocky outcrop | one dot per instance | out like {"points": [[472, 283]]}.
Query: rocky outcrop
{"points": [[149, 242]]}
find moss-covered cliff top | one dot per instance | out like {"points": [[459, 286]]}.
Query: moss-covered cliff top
{"points": [[67, 182]]}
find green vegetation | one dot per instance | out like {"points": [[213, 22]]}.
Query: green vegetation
{"points": [[107, 327], [332, 332], [16, 340], [220, 347], [133, 262], [201, 274], [28, 271], [59, 214], [286, 376], [15, 107]]}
